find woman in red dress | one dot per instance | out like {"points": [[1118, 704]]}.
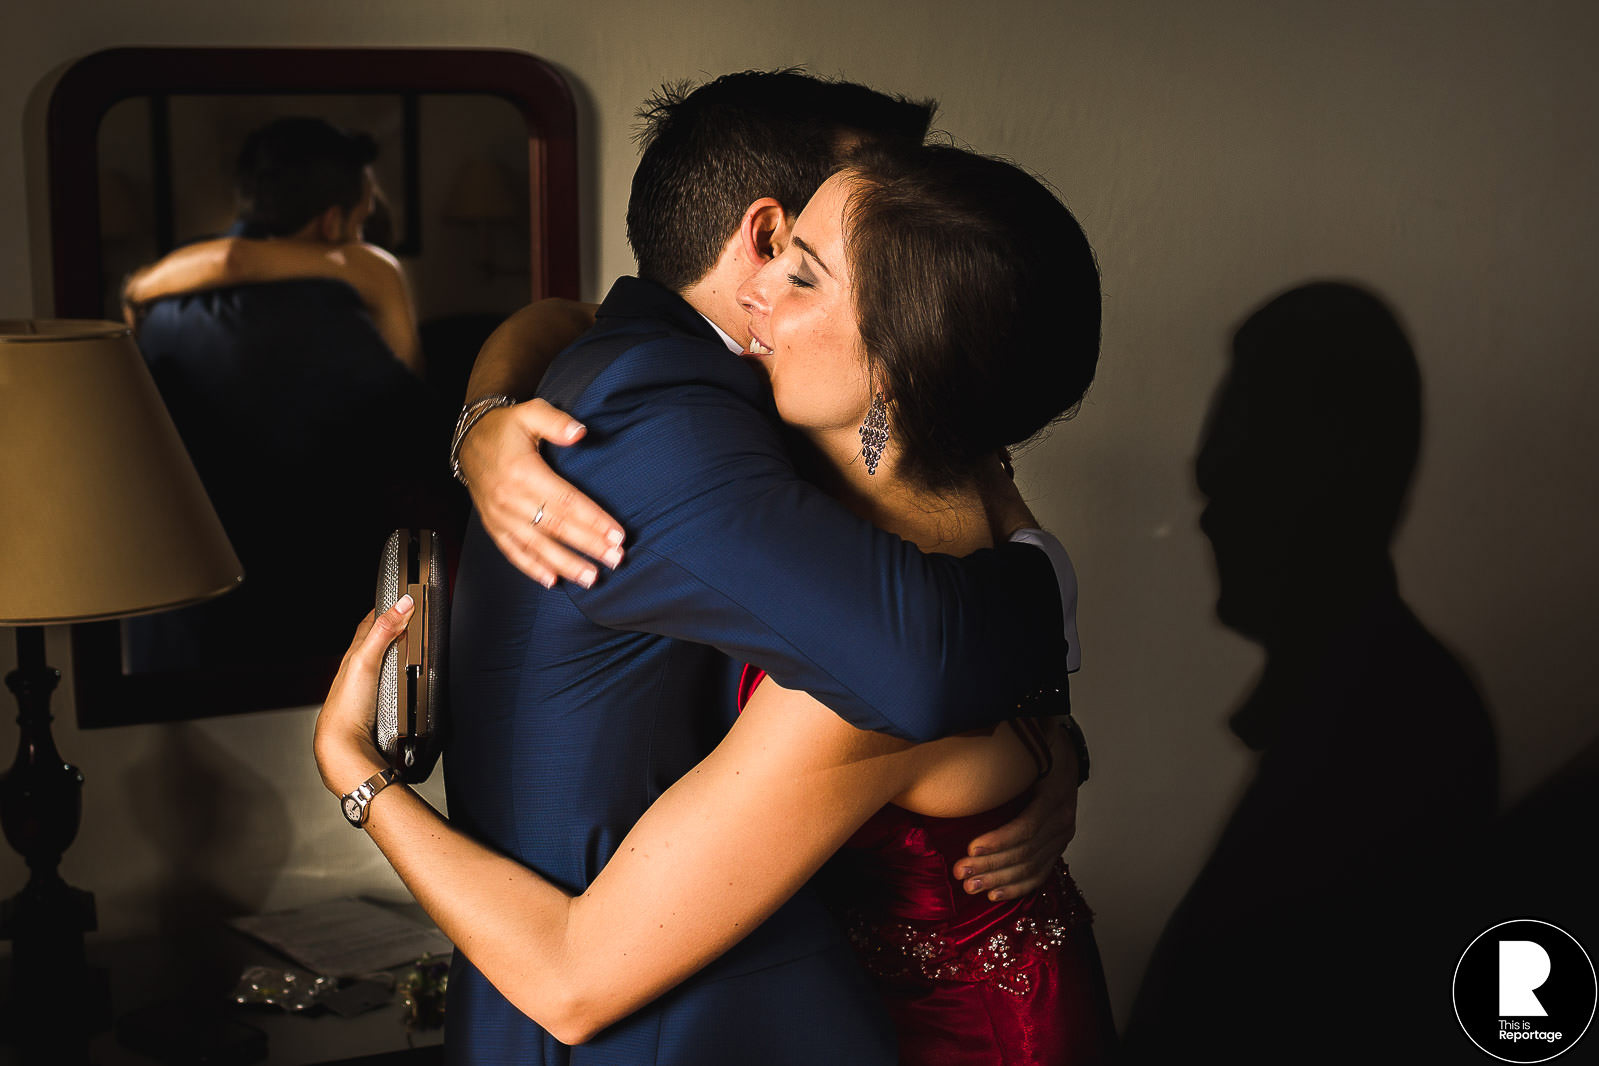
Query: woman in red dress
{"points": [[929, 308], [968, 981]]}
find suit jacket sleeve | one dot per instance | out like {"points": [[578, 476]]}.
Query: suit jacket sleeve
{"points": [[729, 546]]}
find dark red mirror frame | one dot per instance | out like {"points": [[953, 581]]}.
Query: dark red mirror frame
{"points": [[91, 87], [94, 84]]}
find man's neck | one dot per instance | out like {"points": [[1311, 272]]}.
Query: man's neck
{"points": [[312, 232], [726, 338], [716, 297]]}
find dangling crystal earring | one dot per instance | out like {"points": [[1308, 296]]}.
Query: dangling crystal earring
{"points": [[874, 433]]}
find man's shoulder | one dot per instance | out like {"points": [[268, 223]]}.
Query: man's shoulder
{"points": [[274, 305], [320, 313]]}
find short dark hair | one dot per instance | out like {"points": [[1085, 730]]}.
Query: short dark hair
{"points": [[710, 152], [293, 169], [977, 297]]}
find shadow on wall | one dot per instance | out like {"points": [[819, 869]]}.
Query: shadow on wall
{"points": [[1540, 856], [223, 835], [1326, 919]]}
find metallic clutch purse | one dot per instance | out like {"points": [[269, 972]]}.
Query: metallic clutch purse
{"points": [[412, 692]]}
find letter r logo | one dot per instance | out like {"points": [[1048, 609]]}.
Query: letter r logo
{"points": [[1543, 983], [1523, 967]]}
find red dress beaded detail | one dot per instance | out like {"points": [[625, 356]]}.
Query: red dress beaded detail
{"points": [[967, 981]]}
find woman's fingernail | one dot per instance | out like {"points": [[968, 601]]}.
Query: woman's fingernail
{"points": [[404, 603], [975, 885], [979, 851], [614, 536], [573, 429], [586, 578], [996, 895], [613, 558]]}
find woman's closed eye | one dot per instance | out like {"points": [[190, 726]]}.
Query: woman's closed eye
{"points": [[801, 282]]}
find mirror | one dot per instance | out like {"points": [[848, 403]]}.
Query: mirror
{"points": [[476, 172]]}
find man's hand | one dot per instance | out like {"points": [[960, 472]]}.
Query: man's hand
{"points": [[537, 519], [1014, 859]]}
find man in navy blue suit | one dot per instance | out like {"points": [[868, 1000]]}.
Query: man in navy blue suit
{"points": [[577, 705]]}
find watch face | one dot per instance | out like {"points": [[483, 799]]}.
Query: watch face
{"points": [[352, 810]]}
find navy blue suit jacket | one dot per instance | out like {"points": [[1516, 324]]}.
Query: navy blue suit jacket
{"points": [[576, 708], [273, 388]]}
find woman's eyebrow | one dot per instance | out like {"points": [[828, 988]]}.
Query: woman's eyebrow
{"points": [[808, 250]]}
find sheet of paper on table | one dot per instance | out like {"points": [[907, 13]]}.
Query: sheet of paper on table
{"points": [[345, 937]]}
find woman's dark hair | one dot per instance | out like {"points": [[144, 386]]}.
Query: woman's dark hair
{"points": [[978, 301], [293, 169]]}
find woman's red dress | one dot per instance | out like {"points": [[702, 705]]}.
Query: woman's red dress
{"points": [[967, 981]]}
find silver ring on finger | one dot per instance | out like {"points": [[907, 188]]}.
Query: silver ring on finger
{"points": [[538, 516]]}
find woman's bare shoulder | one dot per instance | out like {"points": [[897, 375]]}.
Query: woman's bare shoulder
{"points": [[370, 258]]}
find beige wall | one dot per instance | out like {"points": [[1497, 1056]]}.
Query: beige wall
{"points": [[1216, 153]]}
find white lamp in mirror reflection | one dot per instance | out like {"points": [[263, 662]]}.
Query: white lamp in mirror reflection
{"points": [[101, 516]]}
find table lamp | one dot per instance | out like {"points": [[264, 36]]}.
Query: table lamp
{"points": [[102, 516]]}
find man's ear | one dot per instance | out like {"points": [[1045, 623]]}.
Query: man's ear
{"points": [[763, 232]]}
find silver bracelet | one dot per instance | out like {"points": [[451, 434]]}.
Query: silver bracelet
{"points": [[470, 414]]}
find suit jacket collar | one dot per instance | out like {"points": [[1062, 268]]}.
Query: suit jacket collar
{"points": [[632, 297]]}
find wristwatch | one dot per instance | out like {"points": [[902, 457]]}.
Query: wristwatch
{"points": [[1056, 703], [357, 803]]}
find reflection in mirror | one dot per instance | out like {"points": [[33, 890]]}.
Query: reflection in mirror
{"points": [[341, 327], [453, 170], [277, 375]]}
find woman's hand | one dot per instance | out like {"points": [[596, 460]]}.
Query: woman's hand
{"points": [[544, 526], [540, 522], [202, 265], [346, 751]]}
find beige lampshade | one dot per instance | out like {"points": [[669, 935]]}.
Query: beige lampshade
{"points": [[101, 512]]}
